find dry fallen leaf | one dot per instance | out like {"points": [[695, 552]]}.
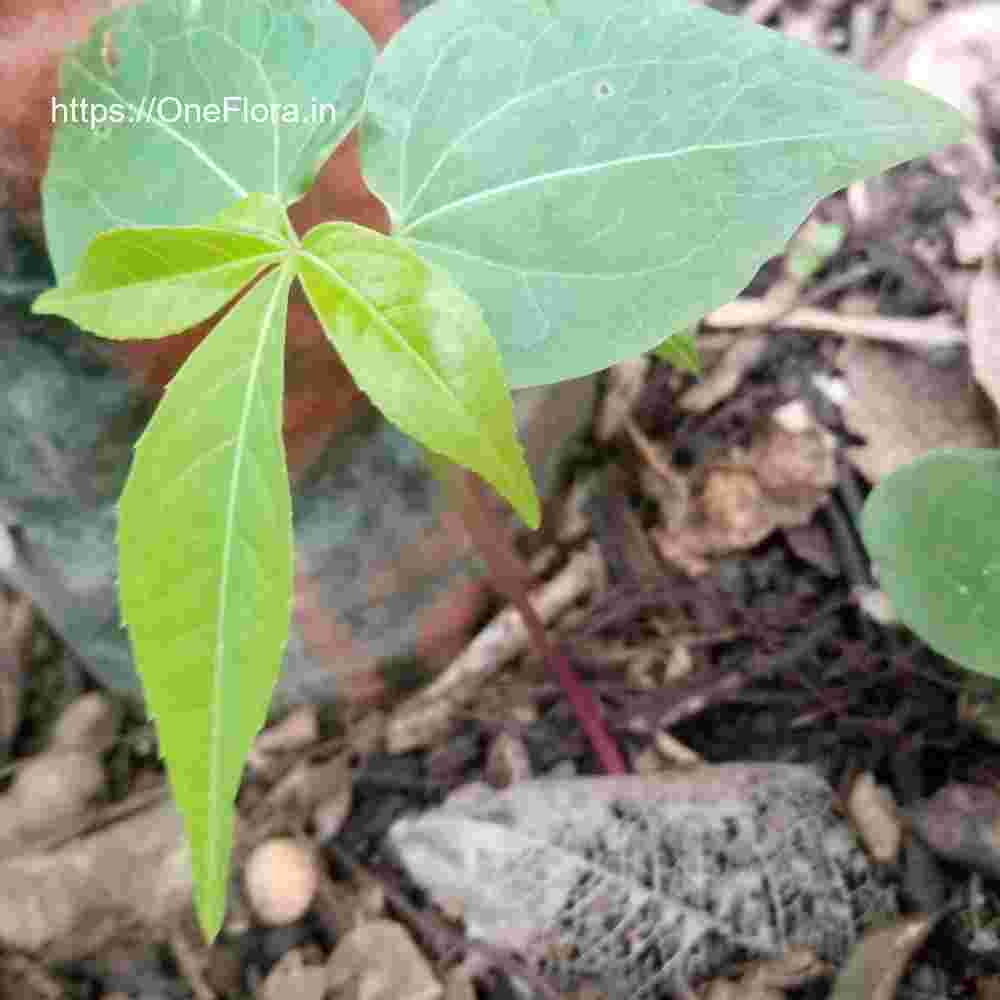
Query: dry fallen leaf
{"points": [[723, 379], [380, 961], [962, 824], [780, 482], [879, 961], [16, 620], [873, 811], [903, 407], [292, 979], [625, 384], [981, 322], [638, 885], [63, 901], [89, 723]]}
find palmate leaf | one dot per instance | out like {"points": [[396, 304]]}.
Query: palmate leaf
{"points": [[420, 349], [165, 65], [597, 176], [933, 530], [205, 551]]}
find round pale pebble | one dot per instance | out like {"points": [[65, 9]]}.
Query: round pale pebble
{"points": [[281, 879]]}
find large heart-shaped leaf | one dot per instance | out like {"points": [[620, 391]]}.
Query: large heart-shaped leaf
{"points": [[420, 349], [599, 176], [215, 101], [933, 529], [205, 550]]}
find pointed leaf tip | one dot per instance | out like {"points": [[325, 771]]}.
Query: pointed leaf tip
{"points": [[421, 351]]}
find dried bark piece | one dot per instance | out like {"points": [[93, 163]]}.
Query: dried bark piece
{"points": [[638, 886], [904, 407], [67, 901], [380, 961]]}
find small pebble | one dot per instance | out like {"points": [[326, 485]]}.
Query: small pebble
{"points": [[281, 879]]}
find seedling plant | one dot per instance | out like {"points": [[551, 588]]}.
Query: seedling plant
{"points": [[569, 185]]}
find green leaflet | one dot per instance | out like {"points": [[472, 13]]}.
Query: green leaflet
{"points": [[681, 351], [933, 531], [188, 78], [596, 176], [420, 349], [205, 548], [146, 283]]}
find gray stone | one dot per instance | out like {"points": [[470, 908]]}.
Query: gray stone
{"points": [[367, 515]]}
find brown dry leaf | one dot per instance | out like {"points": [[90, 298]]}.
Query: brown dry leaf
{"points": [[296, 731], [811, 543], [975, 236], [67, 900], [983, 310], [507, 761], [89, 723], [879, 961], [458, 985], [380, 961], [292, 979], [49, 791], [903, 407], [962, 824], [988, 988], [768, 979], [23, 978], [723, 379], [873, 811], [625, 384], [667, 874], [781, 482], [16, 621], [955, 56]]}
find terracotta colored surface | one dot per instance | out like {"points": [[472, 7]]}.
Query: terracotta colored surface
{"points": [[321, 395]]}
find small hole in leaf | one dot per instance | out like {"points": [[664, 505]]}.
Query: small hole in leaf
{"points": [[603, 89]]}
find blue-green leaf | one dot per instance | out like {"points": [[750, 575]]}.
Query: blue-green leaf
{"points": [[932, 528], [596, 176], [195, 82]]}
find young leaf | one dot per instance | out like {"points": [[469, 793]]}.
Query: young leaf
{"points": [[593, 172], [205, 549], [145, 283], [203, 103], [932, 529], [420, 349], [681, 351]]}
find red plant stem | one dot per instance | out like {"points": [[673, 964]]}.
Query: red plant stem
{"points": [[509, 575]]}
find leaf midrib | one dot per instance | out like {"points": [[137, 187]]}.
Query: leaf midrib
{"points": [[216, 728], [180, 276], [538, 179], [376, 317]]}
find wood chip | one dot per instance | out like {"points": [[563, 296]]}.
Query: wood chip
{"points": [[423, 718]]}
